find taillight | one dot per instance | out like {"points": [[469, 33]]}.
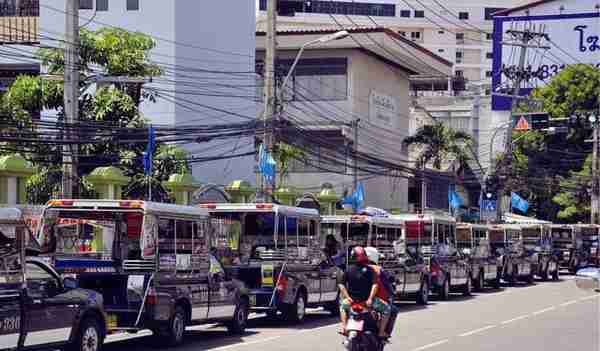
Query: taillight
{"points": [[209, 206], [61, 202], [264, 206], [151, 298], [282, 284], [131, 204]]}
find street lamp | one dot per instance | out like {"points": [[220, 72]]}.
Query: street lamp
{"points": [[324, 39]]}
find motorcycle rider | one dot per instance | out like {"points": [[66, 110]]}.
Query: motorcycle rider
{"points": [[385, 290], [358, 284]]}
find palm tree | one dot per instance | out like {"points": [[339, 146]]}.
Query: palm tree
{"points": [[438, 143]]}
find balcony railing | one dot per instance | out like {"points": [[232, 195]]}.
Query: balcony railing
{"points": [[19, 30]]}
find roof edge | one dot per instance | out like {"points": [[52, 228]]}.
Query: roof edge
{"points": [[521, 8]]}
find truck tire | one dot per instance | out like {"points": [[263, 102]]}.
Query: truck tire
{"points": [[296, 312], [444, 290], [423, 293], [237, 325], [555, 275], [544, 274], [467, 288], [89, 336], [172, 332], [479, 283]]}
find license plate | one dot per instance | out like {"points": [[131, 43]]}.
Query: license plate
{"points": [[355, 325], [111, 321], [252, 299]]}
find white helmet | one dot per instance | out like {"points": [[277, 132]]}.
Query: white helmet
{"points": [[373, 254]]}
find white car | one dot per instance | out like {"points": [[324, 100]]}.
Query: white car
{"points": [[588, 279]]}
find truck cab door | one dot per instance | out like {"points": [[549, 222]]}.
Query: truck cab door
{"points": [[49, 319], [11, 298]]}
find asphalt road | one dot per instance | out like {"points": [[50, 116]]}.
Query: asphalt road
{"points": [[546, 317]]}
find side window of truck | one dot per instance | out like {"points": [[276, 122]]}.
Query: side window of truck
{"points": [[40, 284]]}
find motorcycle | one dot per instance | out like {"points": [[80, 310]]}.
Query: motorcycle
{"points": [[361, 330]]}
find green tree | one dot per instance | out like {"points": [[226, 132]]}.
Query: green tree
{"points": [[284, 155], [437, 144], [574, 199], [107, 110]]}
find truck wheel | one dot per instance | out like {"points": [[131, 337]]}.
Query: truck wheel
{"points": [[544, 274], [238, 323], [530, 279], [444, 290], [89, 336], [423, 293], [479, 282], [467, 289], [172, 333], [496, 284], [555, 275], [297, 311]]}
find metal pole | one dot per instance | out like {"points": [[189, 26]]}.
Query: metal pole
{"points": [[71, 96], [595, 185], [423, 186], [355, 126]]}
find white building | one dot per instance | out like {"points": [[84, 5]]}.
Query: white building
{"points": [[364, 76], [196, 42]]}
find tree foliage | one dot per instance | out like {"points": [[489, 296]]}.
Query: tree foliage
{"points": [[437, 143], [104, 52]]}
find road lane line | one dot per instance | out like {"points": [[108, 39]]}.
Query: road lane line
{"points": [[437, 343], [568, 303], [589, 297], [544, 310], [246, 343], [319, 328], [515, 319], [478, 330]]}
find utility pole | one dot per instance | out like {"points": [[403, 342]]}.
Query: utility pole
{"points": [[355, 126], [523, 38], [595, 184], [270, 96], [423, 185], [71, 97]]}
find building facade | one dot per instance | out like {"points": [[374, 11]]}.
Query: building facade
{"points": [[365, 78], [206, 52]]}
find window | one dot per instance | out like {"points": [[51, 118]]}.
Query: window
{"points": [[441, 32], [419, 14], [403, 34], [488, 74], [459, 73], [463, 15], [415, 35], [40, 283], [405, 13], [489, 11], [336, 7], [460, 36], [489, 36], [441, 50], [101, 5], [133, 5], [86, 4], [489, 55], [459, 54]]}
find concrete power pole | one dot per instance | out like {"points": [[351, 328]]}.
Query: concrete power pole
{"points": [[523, 39], [71, 97], [595, 184], [355, 173], [270, 95]]}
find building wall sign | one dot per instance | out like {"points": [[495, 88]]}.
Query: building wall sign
{"points": [[574, 39], [382, 108]]}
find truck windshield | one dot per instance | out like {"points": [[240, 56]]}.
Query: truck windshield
{"points": [[562, 234], [92, 233]]}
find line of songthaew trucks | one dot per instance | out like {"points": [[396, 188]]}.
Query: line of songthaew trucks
{"points": [[77, 271]]}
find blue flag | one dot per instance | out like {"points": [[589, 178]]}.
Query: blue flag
{"points": [[149, 151], [519, 203], [454, 199], [356, 199], [266, 164]]}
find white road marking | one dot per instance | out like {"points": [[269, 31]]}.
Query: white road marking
{"points": [[544, 310], [568, 303], [478, 330], [319, 328], [589, 297], [437, 343], [245, 343], [515, 319]]}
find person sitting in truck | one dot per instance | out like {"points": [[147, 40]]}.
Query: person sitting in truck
{"points": [[358, 284], [332, 251]]}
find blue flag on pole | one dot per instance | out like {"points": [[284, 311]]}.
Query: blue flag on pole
{"points": [[454, 199], [356, 199], [266, 164], [519, 203], [149, 151]]}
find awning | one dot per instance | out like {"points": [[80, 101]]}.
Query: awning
{"points": [[517, 219]]}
